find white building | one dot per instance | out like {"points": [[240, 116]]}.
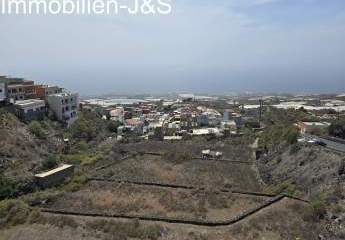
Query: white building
{"points": [[309, 127], [117, 114], [64, 106], [30, 109], [2, 91]]}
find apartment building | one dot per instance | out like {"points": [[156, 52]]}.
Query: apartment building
{"points": [[42, 91], [64, 106], [20, 89], [2, 92], [31, 109]]}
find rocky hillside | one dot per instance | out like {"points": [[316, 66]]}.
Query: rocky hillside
{"points": [[307, 168], [24, 147], [314, 173]]}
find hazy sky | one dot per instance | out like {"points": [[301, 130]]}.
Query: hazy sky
{"points": [[215, 46]]}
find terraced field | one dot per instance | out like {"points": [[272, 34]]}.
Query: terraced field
{"points": [[134, 200], [190, 172]]}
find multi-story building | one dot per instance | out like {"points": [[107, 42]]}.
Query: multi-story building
{"points": [[19, 89], [31, 109], [2, 92], [42, 91], [117, 114], [64, 106]]}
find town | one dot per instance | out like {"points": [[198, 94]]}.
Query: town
{"points": [[155, 166]]}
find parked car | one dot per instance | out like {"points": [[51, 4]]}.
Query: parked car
{"points": [[321, 143]]}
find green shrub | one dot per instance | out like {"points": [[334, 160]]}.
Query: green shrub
{"points": [[285, 187], [82, 146], [50, 162], [278, 134], [8, 188], [83, 128], [75, 184], [7, 119], [81, 158], [316, 210], [113, 125], [337, 129], [291, 135], [36, 129], [13, 212]]}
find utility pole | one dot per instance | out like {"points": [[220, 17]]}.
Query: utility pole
{"points": [[260, 110]]}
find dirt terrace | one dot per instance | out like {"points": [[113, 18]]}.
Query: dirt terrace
{"points": [[190, 172], [105, 197]]}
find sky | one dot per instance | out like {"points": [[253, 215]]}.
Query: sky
{"points": [[215, 46]]}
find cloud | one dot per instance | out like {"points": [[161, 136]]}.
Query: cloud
{"points": [[263, 2]]}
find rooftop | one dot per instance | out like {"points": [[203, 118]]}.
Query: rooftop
{"points": [[53, 171], [316, 123], [63, 94], [29, 102]]}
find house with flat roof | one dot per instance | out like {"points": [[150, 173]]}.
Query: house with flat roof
{"points": [[19, 89], [31, 109], [42, 91], [54, 176]]}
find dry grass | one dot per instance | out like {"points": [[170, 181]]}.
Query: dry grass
{"points": [[151, 201]]}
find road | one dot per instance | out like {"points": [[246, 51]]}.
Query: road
{"points": [[330, 144]]}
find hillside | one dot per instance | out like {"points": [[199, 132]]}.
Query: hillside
{"points": [[164, 190], [314, 173], [21, 151]]}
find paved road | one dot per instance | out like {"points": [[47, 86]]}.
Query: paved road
{"points": [[330, 144]]}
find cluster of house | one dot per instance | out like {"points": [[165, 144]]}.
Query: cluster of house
{"points": [[31, 101], [171, 120]]}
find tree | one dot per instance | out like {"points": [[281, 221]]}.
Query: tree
{"points": [[337, 129], [8, 188], [113, 125], [82, 128], [36, 129], [292, 135], [49, 163]]}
